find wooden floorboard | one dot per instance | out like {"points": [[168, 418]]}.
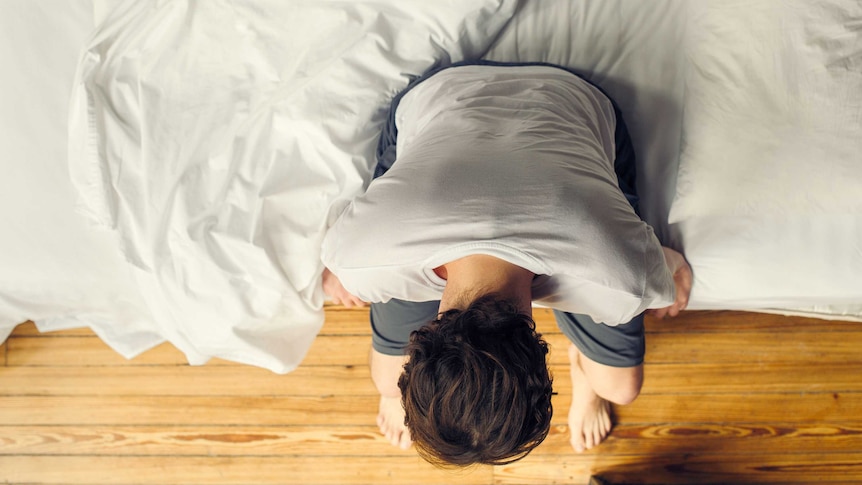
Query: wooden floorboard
{"points": [[351, 380], [332, 350], [220, 470], [686, 467], [356, 440], [729, 397]]}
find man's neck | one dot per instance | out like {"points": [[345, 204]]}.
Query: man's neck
{"points": [[477, 275]]}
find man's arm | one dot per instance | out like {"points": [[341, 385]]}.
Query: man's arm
{"points": [[385, 371], [682, 279], [335, 291]]}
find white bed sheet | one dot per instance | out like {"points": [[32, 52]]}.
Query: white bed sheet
{"points": [[55, 268], [216, 140]]}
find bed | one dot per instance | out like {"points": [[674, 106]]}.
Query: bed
{"points": [[170, 167]]}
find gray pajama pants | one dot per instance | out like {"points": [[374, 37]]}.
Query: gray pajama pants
{"points": [[619, 346]]}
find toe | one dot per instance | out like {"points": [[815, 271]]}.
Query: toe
{"points": [[405, 441], [578, 442], [588, 442], [598, 436]]}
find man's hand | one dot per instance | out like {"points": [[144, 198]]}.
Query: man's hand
{"points": [[339, 296], [682, 279]]}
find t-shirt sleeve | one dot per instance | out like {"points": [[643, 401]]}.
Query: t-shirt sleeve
{"points": [[354, 255], [612, 306]]}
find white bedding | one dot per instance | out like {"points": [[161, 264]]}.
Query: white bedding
{"points": [[211, 141], [54, 267], [214, 138]]}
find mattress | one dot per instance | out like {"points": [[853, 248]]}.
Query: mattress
{"points": [[170, 167]]}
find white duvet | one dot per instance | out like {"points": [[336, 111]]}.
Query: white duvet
{"points": [[209, 142], [212, 138]]}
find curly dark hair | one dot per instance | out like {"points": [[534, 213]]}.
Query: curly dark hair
{"points": [[476, 388]]}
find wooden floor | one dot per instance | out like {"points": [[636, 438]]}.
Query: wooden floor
{"points": [[728, 398]]}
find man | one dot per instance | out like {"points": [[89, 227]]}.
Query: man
{"points": [[513, 184]]}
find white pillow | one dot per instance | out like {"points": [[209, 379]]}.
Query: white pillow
{"points": [[769, 191], [217, 137], [758, 262], [772, 123]]}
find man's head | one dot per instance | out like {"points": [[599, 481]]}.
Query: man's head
{"points": [[476, 388]]}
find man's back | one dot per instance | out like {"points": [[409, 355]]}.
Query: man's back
{"points": [[514, 162]]}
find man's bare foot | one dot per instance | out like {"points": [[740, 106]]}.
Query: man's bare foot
{"points": [[390, 419], [589, 416], [589, 423]]}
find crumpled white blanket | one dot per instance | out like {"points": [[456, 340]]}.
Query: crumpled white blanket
{"points": [[216, 140]]}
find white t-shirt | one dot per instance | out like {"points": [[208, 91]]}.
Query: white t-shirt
{"points": [[512, 162]]}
